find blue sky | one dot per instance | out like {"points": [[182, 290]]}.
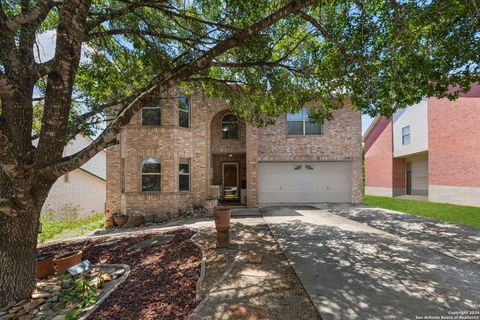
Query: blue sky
{"points": [[366, 121]]}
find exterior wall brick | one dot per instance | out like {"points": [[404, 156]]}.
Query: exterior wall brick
{"points": [[454, 144], [340, 140], [378, 157], [202, 143]]}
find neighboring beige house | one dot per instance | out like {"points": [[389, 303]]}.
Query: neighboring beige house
{"points": [[180, 150], [81, 191]]}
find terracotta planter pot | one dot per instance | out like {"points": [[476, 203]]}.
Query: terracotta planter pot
{"points": [[120, 220], [222, 224], [109, 223], [67, 260], [45, 266], [222, 217], [138, 221]]}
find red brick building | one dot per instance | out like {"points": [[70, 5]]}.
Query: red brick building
{"points": [[430, 149], [180, 150]]}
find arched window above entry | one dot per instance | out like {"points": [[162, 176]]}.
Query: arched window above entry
{"points": [[229, 126]]}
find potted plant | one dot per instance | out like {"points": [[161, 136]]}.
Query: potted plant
{"points": [[67, 260], [222, 224], [45, 266], [119, 218], [138, 221]]}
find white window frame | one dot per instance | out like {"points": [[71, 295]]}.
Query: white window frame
{"points": [[151, 174], [187, 162], [187, 112], [230, 122], [304, 121], [404, 135]]}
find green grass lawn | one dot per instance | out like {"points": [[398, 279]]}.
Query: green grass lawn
{"points": [[56, 229], [469, 216]]}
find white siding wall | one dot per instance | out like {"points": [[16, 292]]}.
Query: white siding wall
{"points": [[82, 191], [416, 117], [96, 165]]}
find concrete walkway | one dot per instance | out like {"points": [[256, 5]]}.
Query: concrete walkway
{"points": [[352, 270]]}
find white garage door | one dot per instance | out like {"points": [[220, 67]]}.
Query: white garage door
{"points": [[300, 182]]}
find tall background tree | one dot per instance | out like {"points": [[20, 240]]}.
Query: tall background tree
{"points": [[266, 57]]}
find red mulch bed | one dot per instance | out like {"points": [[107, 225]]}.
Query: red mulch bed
{"points": [[161, 284]]}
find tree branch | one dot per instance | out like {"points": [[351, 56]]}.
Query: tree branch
{"points": [[162, 84], [155, 34], [41, 9]]}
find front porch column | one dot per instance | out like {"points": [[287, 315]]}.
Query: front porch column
{"points": [[252, 165]]}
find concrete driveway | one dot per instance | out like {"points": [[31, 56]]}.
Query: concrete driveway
{"points": [[365, 263]]}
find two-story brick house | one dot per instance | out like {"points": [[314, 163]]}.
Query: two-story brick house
{"points": [[430, 149], [180, 150]]}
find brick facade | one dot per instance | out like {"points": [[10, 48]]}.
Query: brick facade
{"points": [[202, 144]]}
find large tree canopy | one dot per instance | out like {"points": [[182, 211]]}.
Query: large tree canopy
{"points": [[266, 57]]}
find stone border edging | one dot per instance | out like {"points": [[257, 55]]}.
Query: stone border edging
{"points": [[198, 285], [105, 295], [195, 313]]}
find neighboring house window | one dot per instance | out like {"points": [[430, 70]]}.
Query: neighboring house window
{"points": [[229, 127], [406, 135], [151, 170], [299, 124], [183, 112], [184, 175], [151, 116]]}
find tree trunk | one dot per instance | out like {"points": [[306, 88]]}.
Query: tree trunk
{"points": [[18, 243]]}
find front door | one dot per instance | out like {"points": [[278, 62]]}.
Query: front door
{"points": [[409, 178], [231, 189]]}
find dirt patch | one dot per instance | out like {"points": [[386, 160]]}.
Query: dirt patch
{"points": [[162, 277]]}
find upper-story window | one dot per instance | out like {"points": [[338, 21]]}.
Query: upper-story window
{"points": [[406, 135], [299, 124], [183, 112], [151, 174], [151, 116], [229, 126]]}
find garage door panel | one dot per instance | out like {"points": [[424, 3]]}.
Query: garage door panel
{"points": [[292, 182]]}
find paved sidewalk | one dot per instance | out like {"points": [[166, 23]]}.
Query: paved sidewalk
{"points": [[241, 290], [354, 271]]}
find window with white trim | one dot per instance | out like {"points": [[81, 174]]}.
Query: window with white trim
{"points": [[406, 135], [230, 127], [183, 112], [151, 174], [151, 116], [184, 175], [299, 124]]}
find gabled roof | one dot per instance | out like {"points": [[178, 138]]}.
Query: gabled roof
{"points": [[370, 128]]}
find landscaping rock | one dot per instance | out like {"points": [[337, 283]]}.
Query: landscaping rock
{"points": [[245, 312], [26, 317], [254, 257], [33, 304]]}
